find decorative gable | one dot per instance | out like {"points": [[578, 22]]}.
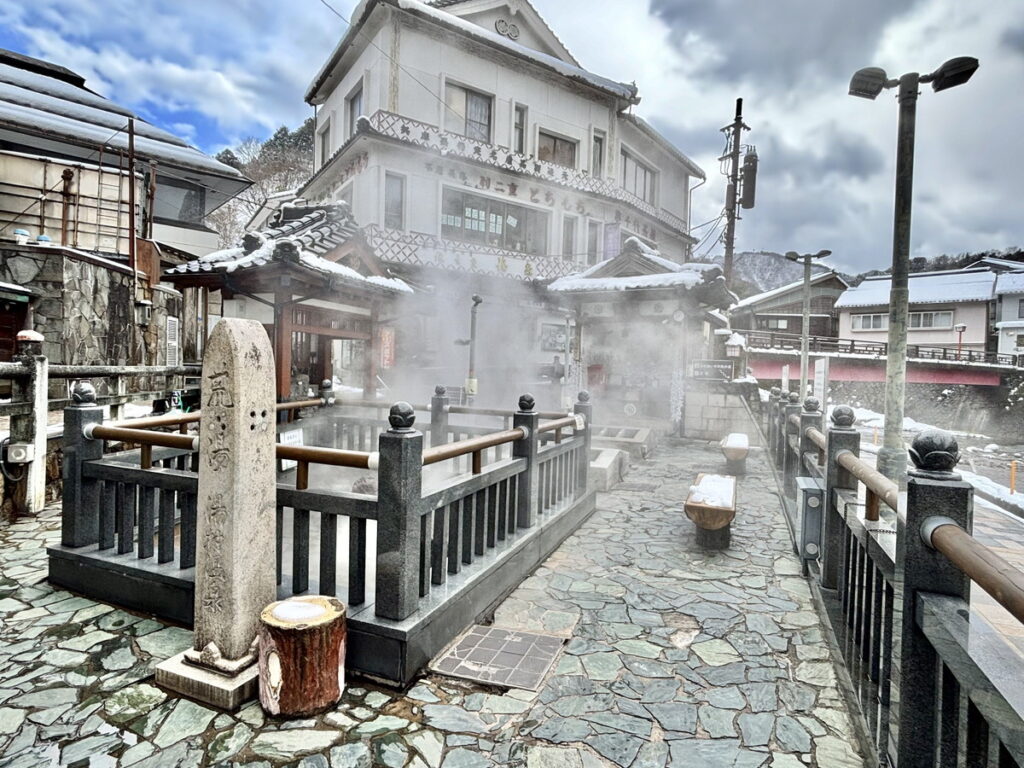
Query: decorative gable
{"points": [[517, 20]]}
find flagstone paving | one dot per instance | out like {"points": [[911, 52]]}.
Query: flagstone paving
{"points": [[673, 657]]}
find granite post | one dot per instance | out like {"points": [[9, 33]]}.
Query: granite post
{"points": [[29, 495], [809, 417], [789, 458], [773, 415], [80, 522], [235, 534], [585, 408], [841, 436], [439, 416], [936, 495], [526, 448], [399, 505]]}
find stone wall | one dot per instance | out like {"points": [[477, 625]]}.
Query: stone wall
{"points": [[713, 409]]}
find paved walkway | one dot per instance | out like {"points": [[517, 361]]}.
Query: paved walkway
{"points": [[674, 657]]}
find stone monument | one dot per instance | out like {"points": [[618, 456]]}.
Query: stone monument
{"points": [[235, 537]]}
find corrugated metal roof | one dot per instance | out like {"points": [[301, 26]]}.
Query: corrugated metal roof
{"points": [[952, 287]]}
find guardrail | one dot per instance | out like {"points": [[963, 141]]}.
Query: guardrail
{"points": [[895, 572], [826, 344]]}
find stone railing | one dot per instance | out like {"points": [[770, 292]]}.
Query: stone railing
{"points": [[425, 135], [895, 572], [415, 248]]}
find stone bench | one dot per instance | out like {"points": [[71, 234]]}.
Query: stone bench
{"points": [[735, 447], [711, 504]]}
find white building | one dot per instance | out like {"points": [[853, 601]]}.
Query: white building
{"points": [[486, 147], [1010, 313]]}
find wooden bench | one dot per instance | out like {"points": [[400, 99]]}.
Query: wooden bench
{"points": [[735, 447], [711, 505]]}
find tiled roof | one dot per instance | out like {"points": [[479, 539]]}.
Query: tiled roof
{"points": [[301, 235]]}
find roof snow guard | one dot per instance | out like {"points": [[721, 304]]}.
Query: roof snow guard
{"points": [[639, 267], [301, 235]]}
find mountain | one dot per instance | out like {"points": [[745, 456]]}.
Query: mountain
{"points": [[759, 271]]}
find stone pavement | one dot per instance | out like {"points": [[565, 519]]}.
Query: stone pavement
{"points": [[673, 657]]}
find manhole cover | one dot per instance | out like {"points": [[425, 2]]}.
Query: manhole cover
{"points": [[499, 656]]}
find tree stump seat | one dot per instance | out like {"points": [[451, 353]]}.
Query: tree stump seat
{"points": [[711, 505], [735, 447]]}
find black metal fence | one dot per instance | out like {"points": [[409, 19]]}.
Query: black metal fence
{"points": [[936, 686]]}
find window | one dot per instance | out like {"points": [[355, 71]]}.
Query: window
{"points": [[467, 113], [637, 178], [177, 200], [556, 150], [569, 238], [394, 201], [1020, 342], [941, 320], [1020, 308], [775, 323], [593, 241], [870, 322], [474, 219], [597, 160], [355, 108], [519, 130], [325, 143], [173, 342]]}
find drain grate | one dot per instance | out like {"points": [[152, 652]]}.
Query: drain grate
{"points": [[497, 656]]}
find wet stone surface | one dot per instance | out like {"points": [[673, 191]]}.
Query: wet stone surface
{"points": [[673, 656]]}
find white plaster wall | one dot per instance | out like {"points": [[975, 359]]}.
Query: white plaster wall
{"points": [[974, 315], [1008, 312]]}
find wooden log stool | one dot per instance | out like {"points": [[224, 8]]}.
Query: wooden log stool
{"points": [[302, 655], [711, 504], [735, 447]]}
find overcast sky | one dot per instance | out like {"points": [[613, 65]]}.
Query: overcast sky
{"points": [[217, 71]]}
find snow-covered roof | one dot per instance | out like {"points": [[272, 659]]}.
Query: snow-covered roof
{"points": [[992, 261], [759, 297], [597, 277], [1008, 324], [58, 109], [302, 236], [1010, 282], [623, 91], [953, 286]]}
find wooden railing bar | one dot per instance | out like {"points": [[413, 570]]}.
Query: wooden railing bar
{"points": [[887, 490], [438, 453]]}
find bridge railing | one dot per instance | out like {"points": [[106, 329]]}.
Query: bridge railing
{"points": [[829, 344], [895, 571]]}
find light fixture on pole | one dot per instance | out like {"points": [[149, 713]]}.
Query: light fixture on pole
{"points": [[959, 328], [867, 84], [806, 258]]}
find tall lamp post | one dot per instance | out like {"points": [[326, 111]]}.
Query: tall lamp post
{"points": [[471, 382], [959, 328], [806, 258], [867, 84]]}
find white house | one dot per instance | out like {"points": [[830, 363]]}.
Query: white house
{"points": [[1010, 313]]}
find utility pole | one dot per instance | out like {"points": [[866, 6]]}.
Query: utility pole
{"points": [[806, 258], [734, 131]]}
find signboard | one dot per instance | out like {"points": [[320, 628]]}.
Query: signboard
{"points": [[387, 347], [821, 380], [718, 370], [785, 379], [291, 437]]}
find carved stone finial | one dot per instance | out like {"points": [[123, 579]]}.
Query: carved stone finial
{"points": [[776, 391], [794, 398], [84, 392], [526, 402], [934, 452], [843, 416], [812, 405], [402, 416], [440, 390], [584, 396]]}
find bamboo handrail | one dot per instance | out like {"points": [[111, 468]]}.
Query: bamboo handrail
{"points": [[471, 445], [794, 419], [331, 456], [882, 486], [984, 567]]}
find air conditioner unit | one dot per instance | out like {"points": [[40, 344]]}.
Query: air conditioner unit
{"points": [[810, 506]]}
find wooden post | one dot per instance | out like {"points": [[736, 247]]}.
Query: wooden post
{"points": [[283, 344], [302, 655], [372, 355]]}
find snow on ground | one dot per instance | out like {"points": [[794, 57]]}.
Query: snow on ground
{"points": [[868, 418]]}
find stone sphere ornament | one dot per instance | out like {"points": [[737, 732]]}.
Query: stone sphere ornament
{"points": [[935, 451], [776, 391], [843, 416], [526, 402], [84, 392], [794, 398], [440, 391], [326, 384], [812, 405], [583, 396], [402, 416]]}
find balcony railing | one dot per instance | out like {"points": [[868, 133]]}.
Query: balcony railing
{"points": [[446, 143]]}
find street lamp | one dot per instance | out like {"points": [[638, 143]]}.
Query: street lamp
{"points": [[959, 328], [806, 258], [868, 83], [471, 383]]}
